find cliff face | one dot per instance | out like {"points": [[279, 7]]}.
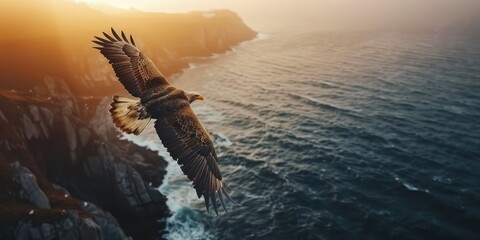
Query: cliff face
{"points": [[64, 172], [52, 39]]}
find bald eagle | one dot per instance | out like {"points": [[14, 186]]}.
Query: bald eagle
{"points": [[177, 126]]}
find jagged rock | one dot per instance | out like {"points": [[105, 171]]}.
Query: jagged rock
{"points": [[65, 191], [30, 191], [48, 115], [35, 113], [93, 166], [85, 230], [70, 134], [84, 134], [101, 113], [108, 225], [30, 130], [2, 117], [47, 231], [131, 188], [71, 226], [44, 131], [37, 118]]}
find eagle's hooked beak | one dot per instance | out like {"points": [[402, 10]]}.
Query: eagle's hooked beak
{"points": [[193, 96]]}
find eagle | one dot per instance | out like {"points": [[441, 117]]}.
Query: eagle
{"points": [[177, 126]]}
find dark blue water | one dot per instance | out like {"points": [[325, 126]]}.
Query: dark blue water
{"points": [[338, 136]]}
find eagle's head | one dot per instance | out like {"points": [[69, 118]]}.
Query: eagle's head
{"points": [[193, 96]]}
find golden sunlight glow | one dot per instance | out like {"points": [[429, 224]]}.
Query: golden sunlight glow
{"points": [[317, 11]]}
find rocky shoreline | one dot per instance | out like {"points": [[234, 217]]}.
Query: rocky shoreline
{"points": [[64, 171], [66, 174]]}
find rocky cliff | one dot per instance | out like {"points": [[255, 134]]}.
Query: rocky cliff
{"points": [[52, 39], [64, 172]]}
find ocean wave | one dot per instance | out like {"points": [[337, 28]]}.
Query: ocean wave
{"points": [[221, 139], [318, 103], [148, 141], [208, 114], [318, 132], [184, 222], [198, 62], [410, 187]]}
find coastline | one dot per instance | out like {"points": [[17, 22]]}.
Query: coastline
{"points": [[199, 62], [175, 220], [105, 185]]}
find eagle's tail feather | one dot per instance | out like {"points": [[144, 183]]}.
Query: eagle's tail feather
{"points": [[129, 115]]}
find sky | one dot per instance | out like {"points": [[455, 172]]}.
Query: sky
{"points": [[327, 13]]}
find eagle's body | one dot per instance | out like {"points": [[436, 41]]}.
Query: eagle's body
{"points": [[177, 126], [164, 101]]}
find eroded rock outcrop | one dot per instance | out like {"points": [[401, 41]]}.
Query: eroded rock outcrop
{"points": [[61, 179], [64, 172], [29, 190]]}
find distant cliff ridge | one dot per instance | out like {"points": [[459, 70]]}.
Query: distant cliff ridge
{"points": [[64, 172], [52, 39]]}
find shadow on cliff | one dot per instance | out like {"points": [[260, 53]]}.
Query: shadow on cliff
{"points": [[63, 167], [52, 38], [64, 172]]}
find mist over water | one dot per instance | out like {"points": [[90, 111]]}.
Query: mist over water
{"points": [[303, 15]]}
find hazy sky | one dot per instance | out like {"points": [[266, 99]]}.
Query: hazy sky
{"points": [[326, 12]]}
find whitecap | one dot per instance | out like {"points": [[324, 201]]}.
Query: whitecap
{"points": [[442, 179], [184, 223], [410, 187], [222, 140], [148, 139]]}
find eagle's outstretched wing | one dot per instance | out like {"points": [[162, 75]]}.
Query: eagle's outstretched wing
{"points": [[181, 133], [132, 68], [189, 143]]}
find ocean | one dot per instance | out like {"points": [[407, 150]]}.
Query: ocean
{"points": [[336, 135]]}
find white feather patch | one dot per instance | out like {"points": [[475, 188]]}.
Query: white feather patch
{"points": [[129, 115]]}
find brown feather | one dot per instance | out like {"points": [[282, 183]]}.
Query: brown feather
{"points": [[132, 41], [115, 34], [124, 37], [188, 142], [108, 37], [133, 69]]}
